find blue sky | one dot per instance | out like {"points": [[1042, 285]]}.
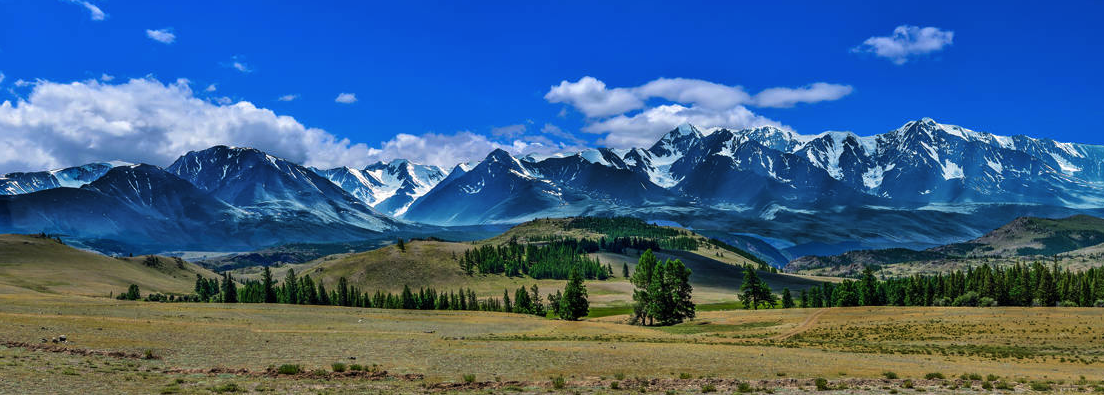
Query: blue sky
{"points": [[443, 68]]}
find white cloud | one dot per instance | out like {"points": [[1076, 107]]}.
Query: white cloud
{"points": [[346, 98], [1, 77], [164, 36], [211, 88], [906, 42], [590, 96], [288, 97], [509, 131], [96, 13], [612, 111], [144, 120], [556, 131], [238, 64], [105, 77], [787, 97], [22, 83], [644, 128], [446, 150], [224, 100]]}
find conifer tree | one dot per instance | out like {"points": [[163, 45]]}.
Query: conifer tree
{"points": [[229, 290], [291, 288], [642, 280], [268, 286], [625, 270], [574, 304], [787, 299]]}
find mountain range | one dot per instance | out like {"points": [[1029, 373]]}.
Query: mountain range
{"points": [[920, 185]]}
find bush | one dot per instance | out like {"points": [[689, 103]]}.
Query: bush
{"points": [[987, 385], [558, 382], [969, 299], [934, 375], [685, 376], [227, 387], [1099, 303], [1004, 386], [288, 368], [890, 375], [1040, 386], [987, 302], [619, 376], [970, 376], [942, 302], [708, 388], [821, 384], [907, 384], [338, 367], [616, 385], [991, 377], [744, 388], [1067, 303], [356, 367], [469, 378]]}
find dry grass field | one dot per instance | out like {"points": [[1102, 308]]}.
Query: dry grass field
{"points": [[207, 348]]}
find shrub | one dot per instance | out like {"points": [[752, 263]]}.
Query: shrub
{"points": [[1040, 386], [356, 367], [1067, 303], [969, 299], [708, 388], [890, 375], [226, 387], [616, 385], [469, 378], [1004, 386], [685, 376], [821, 384], [942, 302], [970, 376], [619, 376], [934, 375], [1099, 303], [987, 385], [744, 388], [558, 382], [338, 367], [987, 302], [288, 368], [907, 384], [991, 377]]}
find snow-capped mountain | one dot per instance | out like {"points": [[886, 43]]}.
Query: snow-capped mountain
{"points": [[73, 177], [260, 183], [388, 187], [498, 188]]}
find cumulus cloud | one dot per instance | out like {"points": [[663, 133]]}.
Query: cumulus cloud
{"points": [[1, 77], [22, 83], [211, 88], [614, 111], [590, 96], [105, 77], [144, 120], [95, 12], [907, 42], [288, 97], [164, 36], [346, 98]]}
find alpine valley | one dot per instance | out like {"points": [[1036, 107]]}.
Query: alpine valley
{"points": [[768, 190]]}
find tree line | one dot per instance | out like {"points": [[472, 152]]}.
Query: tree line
{"points": [[570, 304], [553, 260], [1018, 285]]}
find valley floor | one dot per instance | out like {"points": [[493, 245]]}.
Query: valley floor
{"points": [[205, 348]]}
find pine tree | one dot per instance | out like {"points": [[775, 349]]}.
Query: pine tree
{"points": [[804, 298], [787, 299], [291, 288], [229, 290], [573, 304], [323, 296], [625, 270], [642, 280], [754, 291], [402, 245], [343, 292], [868, 292], [268, 286], [132, 293], [1047, 293], [536, 305]]}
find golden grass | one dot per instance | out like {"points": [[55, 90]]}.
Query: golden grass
{"points": [[29, 263]]}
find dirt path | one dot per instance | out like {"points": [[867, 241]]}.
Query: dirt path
{"points": [[805, 325]]}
